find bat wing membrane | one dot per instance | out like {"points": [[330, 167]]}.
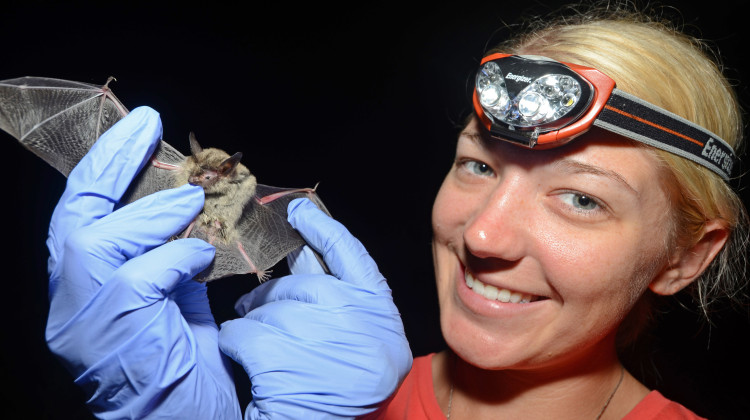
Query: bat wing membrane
{"points": [[264, 234], [53, 117]]}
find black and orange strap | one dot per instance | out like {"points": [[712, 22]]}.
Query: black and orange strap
{"points": [[636, 119]]}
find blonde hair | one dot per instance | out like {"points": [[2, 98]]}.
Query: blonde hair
{"points": [[650, 58]]}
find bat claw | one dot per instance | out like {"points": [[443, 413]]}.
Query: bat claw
{"points": [[263, 275]]}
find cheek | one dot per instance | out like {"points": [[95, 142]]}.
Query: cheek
{"points": [[447, 216], [607, 271]]}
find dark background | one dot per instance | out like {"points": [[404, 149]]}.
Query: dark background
{"points": [[364, 99]]}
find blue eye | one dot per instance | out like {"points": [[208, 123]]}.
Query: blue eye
{"points": [[478, 168], [580, 201]]}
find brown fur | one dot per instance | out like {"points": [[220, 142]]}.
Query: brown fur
{"points": [[228, 185]]}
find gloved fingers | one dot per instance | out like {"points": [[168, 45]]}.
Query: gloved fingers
{"points": [[92, 252], [320, 289], [237, 339], [308, 367], [339, 325], [303, 260], [332, 322], [125, 304], [164, 371], [154, 275], [270, 349], [192, 298], [346, 257], [103, 175], [320, 322]]}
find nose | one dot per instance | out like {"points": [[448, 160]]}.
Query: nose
{"points": [[500, 224]]}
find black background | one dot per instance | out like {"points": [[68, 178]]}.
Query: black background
{"points": [[364, 99]]}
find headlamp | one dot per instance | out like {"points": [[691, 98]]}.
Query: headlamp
{"points": [[538, 102]]}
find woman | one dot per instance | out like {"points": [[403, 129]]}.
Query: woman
{"points": [[544, 259], [547, 260]]}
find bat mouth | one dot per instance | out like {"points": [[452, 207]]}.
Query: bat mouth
{"points": [[204, 179]]}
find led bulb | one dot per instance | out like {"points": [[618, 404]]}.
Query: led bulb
{"points": [[529, 104], [540, 103], [492, 91], [489, 96], [545, 100], [568, 100], [550, 88]]}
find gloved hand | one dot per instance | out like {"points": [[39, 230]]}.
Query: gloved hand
{"points": [[315, 345], [125, 316]]}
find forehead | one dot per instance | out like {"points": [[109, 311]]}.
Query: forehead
{"points": [[595, 151], [599, 154]]}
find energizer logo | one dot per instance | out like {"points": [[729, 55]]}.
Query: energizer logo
{"points": [[717, 155], [518, 78]]}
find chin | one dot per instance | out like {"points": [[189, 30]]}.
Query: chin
{"points": [[479, 347]]}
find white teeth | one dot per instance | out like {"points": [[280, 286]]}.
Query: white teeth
{"points": [[493, 293], [478, 287], [504, 295]]}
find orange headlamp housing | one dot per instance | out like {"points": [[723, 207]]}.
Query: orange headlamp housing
{"points": [[541, 103]]}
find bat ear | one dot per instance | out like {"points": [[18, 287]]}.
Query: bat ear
{"points": [[195, 148], [230, 163]]}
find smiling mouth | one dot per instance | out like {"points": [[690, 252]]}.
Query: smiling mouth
{"points": [[493, 293]]}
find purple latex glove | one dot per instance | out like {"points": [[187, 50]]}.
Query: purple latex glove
{"points": [[125, 317], [320, 346]]}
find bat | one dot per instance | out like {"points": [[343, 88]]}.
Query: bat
{"points": [[59, 121]]}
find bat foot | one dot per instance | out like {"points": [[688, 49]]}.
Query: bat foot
{"points": [[263, 275]]}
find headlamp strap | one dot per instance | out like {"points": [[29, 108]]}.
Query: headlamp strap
{"points": [[636, 119]]}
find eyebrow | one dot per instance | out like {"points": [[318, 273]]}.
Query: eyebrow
{"points": [[472, 135], [566, 164], [575, 167]]}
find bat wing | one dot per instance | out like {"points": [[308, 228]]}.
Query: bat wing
{"points": [[265, 236], [59, 121]]}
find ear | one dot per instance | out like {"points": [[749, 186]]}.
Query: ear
{"points": [[688, 264], [195, 148], [230, 163]]}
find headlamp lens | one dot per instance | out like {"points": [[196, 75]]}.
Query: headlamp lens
{"points": [[544, 101], [492, 91]]}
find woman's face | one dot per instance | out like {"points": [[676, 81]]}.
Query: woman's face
{"points": [[540, 254]]}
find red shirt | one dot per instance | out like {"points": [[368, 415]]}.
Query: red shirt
{"points": [[415, 400]]}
